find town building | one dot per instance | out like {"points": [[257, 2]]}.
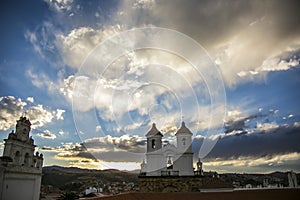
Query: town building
{"points": [[20, 168], [169, 168], [292, 178]]}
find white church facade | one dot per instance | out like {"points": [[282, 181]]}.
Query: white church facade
{"points": [[169, 160], [169, 168], [20, 168]]}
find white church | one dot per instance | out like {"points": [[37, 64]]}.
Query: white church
{"points": [[20, 168], [169, 160]]}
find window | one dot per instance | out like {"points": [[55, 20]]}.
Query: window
{"points": [[153, 144], [169, 162], [183, 141], [17, 157], [26, 159]]}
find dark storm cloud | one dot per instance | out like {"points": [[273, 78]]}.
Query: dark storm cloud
{"points": [[109, 155], [110, 149], [119, 156], [124, 143], [235, 125], [240, 124], [239, 35], [208, 21], [85, 154], [259, 143], [212, 21], [70, 150]]}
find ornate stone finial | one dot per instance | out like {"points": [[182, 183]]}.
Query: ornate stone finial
{"points": [[24, 120], [24, 114]]}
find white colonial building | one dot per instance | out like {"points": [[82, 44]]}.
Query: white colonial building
{"points": [[20, 168], [169, 160]]}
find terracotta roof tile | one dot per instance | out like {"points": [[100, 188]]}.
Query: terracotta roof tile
{"points": [[274, 194]]}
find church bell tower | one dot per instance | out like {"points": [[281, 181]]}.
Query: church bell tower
{"points": [[20, 168], [154, 152]]}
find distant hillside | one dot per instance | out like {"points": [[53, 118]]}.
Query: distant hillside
{"points": [[76, 179], [275, 178]]}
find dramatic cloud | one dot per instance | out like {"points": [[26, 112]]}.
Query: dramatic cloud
{"points": [[12, 109], [229, 31], [40, 116], [267, 139], [76, 46], [69, 150], [74, 155], [246, 39], [60, 5], [239, 124], [106, 149], [47, 135], [262, 164], [134, 144], [242, 36], [284, 61]]}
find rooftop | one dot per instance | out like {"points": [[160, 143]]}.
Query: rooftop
{"points": [[183, 130], [153, 131], [273, 194], [216, 182]]}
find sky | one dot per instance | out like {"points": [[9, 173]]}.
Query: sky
{"points": [[92, 76]]}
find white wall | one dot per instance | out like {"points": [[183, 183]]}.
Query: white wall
{"points": [[185, 165], [21, 186], [154, 163]]}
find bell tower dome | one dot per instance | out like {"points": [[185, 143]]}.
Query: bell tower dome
{"points": [[184, 139], [154, 137]]}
